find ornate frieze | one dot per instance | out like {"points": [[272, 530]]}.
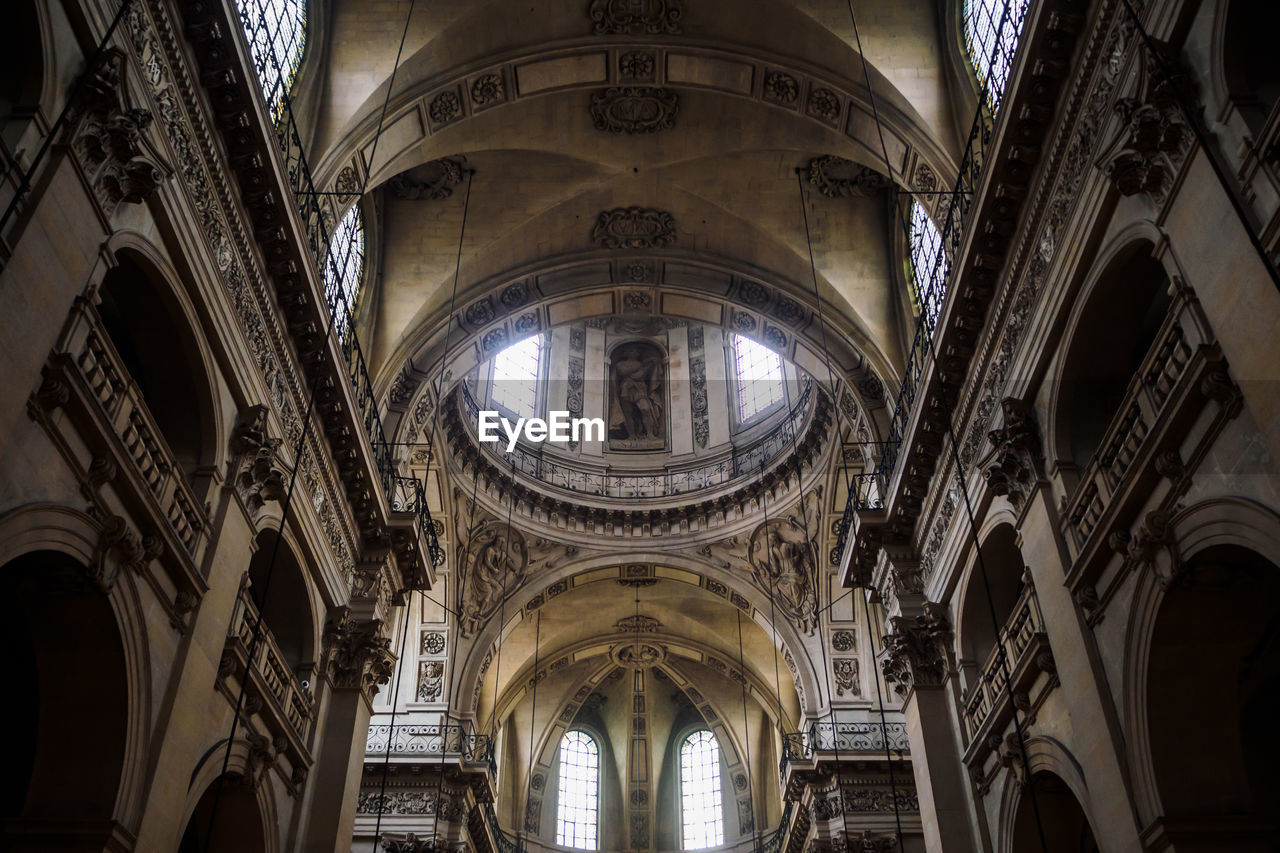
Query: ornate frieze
{"points": [[916, 651], [634, 228], [634, 109]]}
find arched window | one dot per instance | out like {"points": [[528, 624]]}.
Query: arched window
{"points": [[701, 810], [578, 797], [344, 268], [991, 31], [515, 377], [929, 265], [759, 377], [277, 33]]}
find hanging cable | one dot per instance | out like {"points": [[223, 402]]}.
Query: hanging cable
{"points": [[773, 622], [533, 712], [502, 609], [396, 682], [959, 469], [746, 740]]}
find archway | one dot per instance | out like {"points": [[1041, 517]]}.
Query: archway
{"points": [[1248, 51], [158, 347], [1213, 695], [21, 74], [238, 826], [1111, 337], [284, 601], [978, 632], [66, 651], [1066, 828]]}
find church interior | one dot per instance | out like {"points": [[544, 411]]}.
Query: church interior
{"points": [[532, 426]]}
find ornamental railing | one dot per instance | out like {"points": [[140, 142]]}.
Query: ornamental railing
{"points": [[852, 738], [741, 463], [411, 496], [320, 212], [270, 668], [950, 211], [1021, 637], [431, 740]]}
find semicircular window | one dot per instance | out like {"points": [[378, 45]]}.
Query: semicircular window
{"points": [[701, 809], [277, 34], [578, 795], [929, 265], [991, 32], [344, 267]]}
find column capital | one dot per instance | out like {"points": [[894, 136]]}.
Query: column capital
{"points": [[917, 650], [359, 657]]}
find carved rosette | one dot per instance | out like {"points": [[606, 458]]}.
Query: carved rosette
{"points": [[1014, 464], [916, 652], [359, 657]]}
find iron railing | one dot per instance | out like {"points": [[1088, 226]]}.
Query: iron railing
{"points": [[432, 739], [951, 208], [739, 464], [320, 213], [853, 738]]}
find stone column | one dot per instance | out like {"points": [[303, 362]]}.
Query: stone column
{"points": [[917, 663], [358, 659]]}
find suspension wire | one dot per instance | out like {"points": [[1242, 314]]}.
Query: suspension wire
{"points": [[959, 468], [73, 100], [502, 611], [1191, 117], [299, 450], [773, 622], [746, 740], [884, 723], [826, 674], [396, 682], [533, 709]]}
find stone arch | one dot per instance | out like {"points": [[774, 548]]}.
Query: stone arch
{"points": [[28, 74], [1243, 68], [1126, 319], [288, 606], [976, 637], [74, 539], [1208, 530], [683, 286], [788, 636], [1062, 798], [139, 287], [246, 818]]}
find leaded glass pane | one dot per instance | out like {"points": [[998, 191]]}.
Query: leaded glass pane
{"points": [[991, 37], [759, 373], [701, 810], [344, 268], [578, 796], [515, 377], [929, 264], [276, 31]]}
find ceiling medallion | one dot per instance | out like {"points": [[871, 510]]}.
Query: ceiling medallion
{"points": [[836, 177], [634, 228], [614, 17], [637, 655], [634, 109]]}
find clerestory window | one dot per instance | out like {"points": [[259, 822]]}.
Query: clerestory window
{"points": [[578, 796], [758, 370], [701, 809], [515, 377], [991, 32], [344, 267], [277, 33], [929, 265]]}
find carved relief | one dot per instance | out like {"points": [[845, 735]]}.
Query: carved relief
{"points": [[781, 88], [634, 109], [620, 17], [258, 474], [634, 228], [430, 680], [845, 672], [434, 180], [445, 107], [637, 625], [636, 66], [637, 397], [359, 657], [488, 89], [1154, 138], [1014, 463], [915, 653], [496, 562], [836, 177], [782, 562]]}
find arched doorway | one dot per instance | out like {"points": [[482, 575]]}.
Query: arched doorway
{"points": [[62, 770], [1213, 696], [1065, 827]]}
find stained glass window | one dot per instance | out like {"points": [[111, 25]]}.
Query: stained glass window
{"points": [[929, 264], [701, 810], [515, 377], [991, 30], [277, 33], [344, 268], [578, 797], [759, 373]]}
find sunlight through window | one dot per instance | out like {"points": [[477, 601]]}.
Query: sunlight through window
{"points": [[991, 31], [700, 808], [929, 265], [577, 808], [515, 377], [759, 373], [276, 31]]}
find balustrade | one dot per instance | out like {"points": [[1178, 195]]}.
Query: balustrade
{"points": [[432, 739], [292, 702], [1022, 638]]}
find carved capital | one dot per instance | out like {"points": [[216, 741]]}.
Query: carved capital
{"points": [[359, 657], [1014, 464], [916, 651], [257, 473]]}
